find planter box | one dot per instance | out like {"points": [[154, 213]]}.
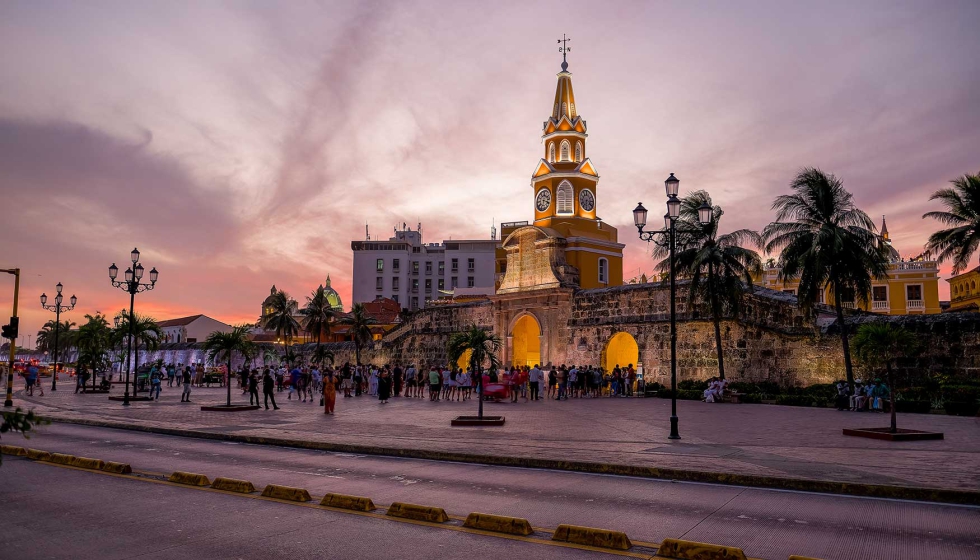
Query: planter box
{"points": [[232, 408], [477, 421], [885, 434]]}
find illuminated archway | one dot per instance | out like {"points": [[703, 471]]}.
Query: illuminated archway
{"points": [[621, 350], [526, 342]]}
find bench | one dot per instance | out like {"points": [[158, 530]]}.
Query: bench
{"points": [[733, 397]]}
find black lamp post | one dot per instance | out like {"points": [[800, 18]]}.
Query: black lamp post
{"points": [[57, 308], [667, 238], [133, 286]]}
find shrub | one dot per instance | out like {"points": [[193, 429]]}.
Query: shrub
{"points": [[692, 385], [744, 387], [961, 393], [768, 388], [962, 408], [821, 391], [689, 395], [916, 406], [794, 400], [751, 398]]}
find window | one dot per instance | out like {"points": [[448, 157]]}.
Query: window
{"points": [[847, 295], [551, 152], [442, 268], [380, 283], [913, 293], [566, 204], [471, 264], [415, 267], [394, 284], [395, 264], [428, 284], [821, 297], [469, 282], [395, 298], [455, 282], [879, 293], [428, 267], [415, 303], [565, 149], [415, 285], [578, 151], [603, 271], [442, 284], [381, 265], [455, 265]]}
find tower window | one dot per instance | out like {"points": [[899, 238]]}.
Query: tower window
{"points": [[551, 152], [564, 108], [565, 198], [578, 151], [565, 148], [603, 271]]}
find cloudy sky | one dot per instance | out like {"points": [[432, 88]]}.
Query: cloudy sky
{"points": [[241, 144]]}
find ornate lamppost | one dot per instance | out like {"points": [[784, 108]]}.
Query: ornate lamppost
{"points": [[133, 286], [667, 238], [57, 308]]}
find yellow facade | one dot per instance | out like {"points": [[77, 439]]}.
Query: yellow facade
{"points": [[964, 291]]}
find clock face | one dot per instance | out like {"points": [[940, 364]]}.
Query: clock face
{"points": [[586, 200], [543, 200]]}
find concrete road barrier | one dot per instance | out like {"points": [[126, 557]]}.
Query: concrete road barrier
{"points": [[498, 524], [286, 493], [795, 557], [86, 463], [417, 512], [59, 458], [191, 479], [38, 455], [691, 550], [233, 485], [13, 450], [118, 468], [343, 501], [589, 536]]}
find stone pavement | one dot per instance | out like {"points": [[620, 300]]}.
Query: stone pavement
{"points": [[746, 439]]}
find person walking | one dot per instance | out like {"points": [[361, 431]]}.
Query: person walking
{"points": [[186, 395], [329, 391], [156, 380], [384, 387], [253, 387], [268, 389]]}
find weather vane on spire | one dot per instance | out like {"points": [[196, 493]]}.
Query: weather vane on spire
{"points": [[564, 49]]}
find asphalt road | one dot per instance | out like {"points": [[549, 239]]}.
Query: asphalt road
{"points": [[106, 514]]}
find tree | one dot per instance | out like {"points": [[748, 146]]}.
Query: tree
{"points": [[483, 346], [280, 316], [17, 421], [359, 323], [826, 241], [317, 316], [146, 331], [877, 344], [960, 241], [719, 267], [94, 340], [46, 336], [222, 346]]}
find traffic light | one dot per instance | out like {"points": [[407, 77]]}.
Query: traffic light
{"points": [[10, 331]]}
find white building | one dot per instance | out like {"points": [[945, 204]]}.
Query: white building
{"points": [[191, 329], [411, 272]]}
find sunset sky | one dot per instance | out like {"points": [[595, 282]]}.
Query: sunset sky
{"points": [[241, 144]]}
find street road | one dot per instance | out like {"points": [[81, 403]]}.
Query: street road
{"points": [[100, 513]]}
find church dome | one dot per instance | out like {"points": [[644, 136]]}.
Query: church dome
{"points": [[332, 296]]}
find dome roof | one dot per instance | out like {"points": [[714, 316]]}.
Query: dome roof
{"points": [[332, 296]]}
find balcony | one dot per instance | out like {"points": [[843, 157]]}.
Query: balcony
{"points": [[915, 305], [880, 306], [847, 304]]}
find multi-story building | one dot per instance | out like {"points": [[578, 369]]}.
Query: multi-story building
{"points": [[411, 272], [195, 328], [911, 286], [964, 291]]}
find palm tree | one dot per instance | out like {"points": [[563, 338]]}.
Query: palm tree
{"points": [[877, 344], [316, 319], [826, 241], [146, 331], [483, 346], [222, 345], [360, 327], [94, 340], [719, 267], [46, 336], [960, 241], [280, 316]]}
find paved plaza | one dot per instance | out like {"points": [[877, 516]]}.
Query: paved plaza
{"points": [[748, 439]]}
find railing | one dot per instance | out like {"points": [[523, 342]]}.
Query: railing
{"points": [[915, 305], [914, 265], [847, 304], [880, 306]]}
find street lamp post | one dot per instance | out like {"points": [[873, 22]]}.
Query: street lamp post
{"points": [[57, 308], [133, 286], [667, 238]]}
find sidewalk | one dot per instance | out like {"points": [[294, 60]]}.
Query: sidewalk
{"points": [[741, 439]]}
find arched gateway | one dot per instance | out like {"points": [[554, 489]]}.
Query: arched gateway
{"points": [[526, 342], [621, 350]]}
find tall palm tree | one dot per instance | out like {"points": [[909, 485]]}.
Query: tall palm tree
{"points": [[94, 340], [46, 336], [877, 344], [484, 347], [719, 267], [222, 345], [146, 332], [360, 327], [960, 241], [825, 240], [317, 316], [280, 316]]}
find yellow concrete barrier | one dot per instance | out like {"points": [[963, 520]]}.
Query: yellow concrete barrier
{"points": [[59, 458], [498, 524], [795, 557], [417, 512], [601, 538], [357, 503], [690, 550], [191, 479], [287, 493], [13, 450], [86, 463], [233, 485], [38, 455], [118, 468]]}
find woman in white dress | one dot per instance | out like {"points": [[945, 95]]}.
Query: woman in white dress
{"points": [[373, 382]]}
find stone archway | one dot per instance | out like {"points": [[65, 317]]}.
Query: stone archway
{"points": [[526, 341], [621, 350]]}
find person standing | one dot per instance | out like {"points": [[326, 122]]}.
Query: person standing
{"points": [[268, 389], [329, 391], [435, 380], [534, 378], [384, 387], [397, 380], [156, 380], [186, 395], [253, 387]]}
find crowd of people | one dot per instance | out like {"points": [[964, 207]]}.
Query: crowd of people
{"points": [[865, 396]]}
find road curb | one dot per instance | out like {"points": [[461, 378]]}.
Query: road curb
{"points": [[590, 536], [117, 468], [498, 524], [191, 479], [966, 497], [287, 493], [87, 463], [59, 458], [38, 455], [417, 512], [13, 450], [691, 550], [233, 485], [344, 501]]}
